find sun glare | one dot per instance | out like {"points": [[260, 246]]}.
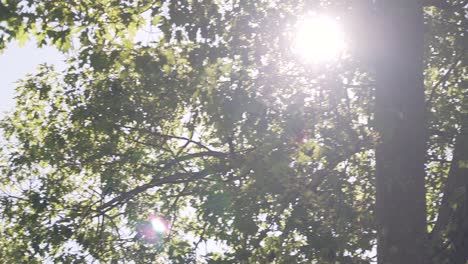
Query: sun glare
{"points": [[318, 39]]}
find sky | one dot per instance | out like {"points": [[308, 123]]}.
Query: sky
{"points": [[16, 62]]}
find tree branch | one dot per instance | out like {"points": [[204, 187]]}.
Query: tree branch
{"points": [[451, 225], [444, 78], [173, 179], [174, 161]]}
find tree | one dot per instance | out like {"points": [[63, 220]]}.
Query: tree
{"points": [[216, 127], [400, 153]]}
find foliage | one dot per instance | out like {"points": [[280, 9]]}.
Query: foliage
{"points": [[212, 124]]}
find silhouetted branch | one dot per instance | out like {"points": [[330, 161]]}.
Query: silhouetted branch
{"points": [[444, 78], [172, 179], [451, 226]]}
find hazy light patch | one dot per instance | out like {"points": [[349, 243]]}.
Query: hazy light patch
{"points": [[318, 39]]}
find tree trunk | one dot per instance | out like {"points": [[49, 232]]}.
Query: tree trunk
{"points": [[400, 122]]}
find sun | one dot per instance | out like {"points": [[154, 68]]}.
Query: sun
{"points": [[318, 39]]}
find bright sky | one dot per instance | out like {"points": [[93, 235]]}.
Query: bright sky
{"points": [[16, 62]]}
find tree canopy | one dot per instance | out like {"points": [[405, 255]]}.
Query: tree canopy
{"points": [[210, 124]]}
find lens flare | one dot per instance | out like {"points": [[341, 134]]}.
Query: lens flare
{"points": [[158, 224], [318, 39], [153, 230]]}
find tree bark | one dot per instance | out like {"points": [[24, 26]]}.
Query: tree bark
{"points": [[400, 122]]}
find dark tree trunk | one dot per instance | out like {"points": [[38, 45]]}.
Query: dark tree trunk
{"points": [[400, 121]]}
